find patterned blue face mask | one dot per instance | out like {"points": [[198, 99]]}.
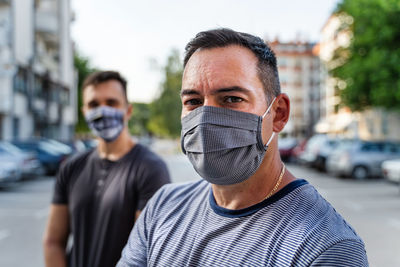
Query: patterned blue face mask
{"points": [[105, 122]]}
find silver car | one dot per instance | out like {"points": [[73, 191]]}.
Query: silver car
{"points": [[361, 159], [391, 170], [9, 171], [27, 163]]}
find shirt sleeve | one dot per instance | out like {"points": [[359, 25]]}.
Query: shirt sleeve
{"points": [[134, 253], [60, 195], [155, 175], [350, 253]]}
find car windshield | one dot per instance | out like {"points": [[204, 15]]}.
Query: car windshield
{"points": [[372, 147], [49, 148], [9, 148], [59, 146], [345, 144]]}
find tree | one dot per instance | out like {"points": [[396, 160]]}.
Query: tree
{"points": [[140, 119], [369, 72], [83, 68], [166, 109]]}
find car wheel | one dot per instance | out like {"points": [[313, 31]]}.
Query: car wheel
{"points": [[360, 173]]}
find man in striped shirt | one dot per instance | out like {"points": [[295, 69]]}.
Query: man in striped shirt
{"points": [[248, 210]]}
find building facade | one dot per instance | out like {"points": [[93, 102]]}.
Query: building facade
{"points": [[336, 119], [37, 77], [299, 74]]}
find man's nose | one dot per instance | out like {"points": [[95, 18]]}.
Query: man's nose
{"points": [[210, 101]]}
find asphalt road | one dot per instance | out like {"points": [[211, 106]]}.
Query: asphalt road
{"points": [[371, 207]]}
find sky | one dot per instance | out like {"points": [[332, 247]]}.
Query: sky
{"points": [[136, 37]]}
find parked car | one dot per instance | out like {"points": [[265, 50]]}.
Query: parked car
{"points": [[361, 159], [325, 150], [58, 146], [90, 143], [27, 162], [286, 147], [391, 170], [49, 152], [317, 150], [299, 149], [76, 145], [9, 171]]}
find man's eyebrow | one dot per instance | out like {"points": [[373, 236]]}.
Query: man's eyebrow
{"points": [[216, 91], [230, 89], [189, 92]]}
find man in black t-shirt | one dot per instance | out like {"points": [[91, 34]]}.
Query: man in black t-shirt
{"points": [[99, 194]]}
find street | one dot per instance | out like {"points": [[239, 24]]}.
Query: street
{"points": [[371, 207]]}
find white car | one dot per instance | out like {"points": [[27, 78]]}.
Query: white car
{"points": [[391, 170], [9, 172]]}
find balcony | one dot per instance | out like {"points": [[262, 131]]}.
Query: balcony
{"points": [[47, 25]]}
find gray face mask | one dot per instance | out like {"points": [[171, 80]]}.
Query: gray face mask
{"points": [[224, 146]]}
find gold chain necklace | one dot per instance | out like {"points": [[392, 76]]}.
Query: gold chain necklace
{"points": [[277, 183]]}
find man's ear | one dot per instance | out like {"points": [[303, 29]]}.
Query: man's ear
{"points": [[83, 110], [282, 112], [129, 111]]}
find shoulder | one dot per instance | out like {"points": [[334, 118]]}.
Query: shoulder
{"points": [[76, 161], [344, 253], [310, 227], [146, 155], [320, 222], [171, 196], [144, 162]]}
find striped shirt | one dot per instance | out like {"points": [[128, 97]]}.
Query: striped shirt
{"points": [[183, 226]]}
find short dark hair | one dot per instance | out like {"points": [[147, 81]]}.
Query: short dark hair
{"points": [[266, 67], [98, 77]]}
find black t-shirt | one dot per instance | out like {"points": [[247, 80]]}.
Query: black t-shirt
{"points": [[102, 198]]}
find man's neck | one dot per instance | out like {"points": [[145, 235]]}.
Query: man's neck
{"points": [[254, 189], [117, 149]]}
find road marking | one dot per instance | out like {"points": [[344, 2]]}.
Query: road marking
{"points": [[4, 234]]}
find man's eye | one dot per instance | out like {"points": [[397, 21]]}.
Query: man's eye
{"points": [[93, 105], [193, 102], [112, 103], [233, 99]]}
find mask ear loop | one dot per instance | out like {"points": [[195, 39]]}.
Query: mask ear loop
{"points": [[273, 133], [270, 139], [269, 108]]}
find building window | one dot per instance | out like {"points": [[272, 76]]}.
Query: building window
{"points": [[38, 87], [53, 94], [282, 62], [64, 96], [297, 65], [16, 127], [385, 125], [21, 81]]}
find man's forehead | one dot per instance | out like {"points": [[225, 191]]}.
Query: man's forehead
{"points": [[233, 50], [105, 90], [228, 57], [224, 66]]}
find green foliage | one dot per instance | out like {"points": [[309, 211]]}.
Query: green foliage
{"points": [[370, 66], [166, 109], [140, 119], [83, 68]]}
